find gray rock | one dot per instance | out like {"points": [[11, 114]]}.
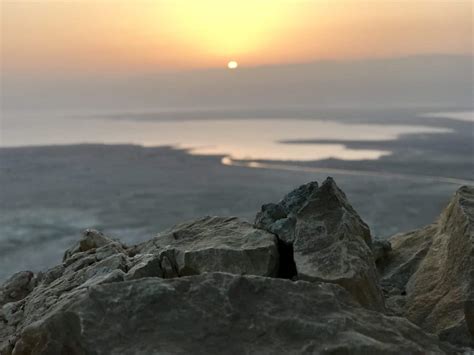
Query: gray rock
{"points": [[91, 239], [434, 268], [17, 287], [215, 244], [330, 242], [219, 313], [280, 218], [146, 265]]}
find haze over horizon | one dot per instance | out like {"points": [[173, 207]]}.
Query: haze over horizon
{"points": [[427, 81], [161, 54]]}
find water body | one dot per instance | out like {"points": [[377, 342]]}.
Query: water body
{"points": [[457, 115], [237, 138]]}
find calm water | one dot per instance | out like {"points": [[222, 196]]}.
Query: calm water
{"points": [[237, 138]]}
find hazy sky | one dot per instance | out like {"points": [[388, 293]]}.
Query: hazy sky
{"points": [[117, 36]]}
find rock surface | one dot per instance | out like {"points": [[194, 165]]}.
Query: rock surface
{"points": [[214, 285], [17, 287], [218, 313], [214, 244], [429, 276], [329, 240], [280, 218]]}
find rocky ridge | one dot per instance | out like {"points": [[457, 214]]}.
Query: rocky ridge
{"points": [[307, 277]]}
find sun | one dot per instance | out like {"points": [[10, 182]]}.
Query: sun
{"points": [[232, 64]]}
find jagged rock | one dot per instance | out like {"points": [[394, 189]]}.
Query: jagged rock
{"points": [[219, 313], [215, 244], [330, 242], [91, 239], [434, 268], [280, 218]]}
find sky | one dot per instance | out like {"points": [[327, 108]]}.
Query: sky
{"points": [[118, 36], [173, 54]]}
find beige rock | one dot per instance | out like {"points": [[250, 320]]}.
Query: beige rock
{"points": [[208, 244], [434, 268]]}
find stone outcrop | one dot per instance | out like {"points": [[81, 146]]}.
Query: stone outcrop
{"points": [[225, 244], [303, 280], [429, 275], [329, 240]]}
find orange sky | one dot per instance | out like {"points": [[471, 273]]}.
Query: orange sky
{"points": [[142, 36]]}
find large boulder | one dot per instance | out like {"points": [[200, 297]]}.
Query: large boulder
{"points": [[429, 277], [218, 313], [207, 244], [329, 241], [226, 244]]}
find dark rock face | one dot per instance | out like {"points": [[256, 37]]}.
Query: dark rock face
{"points": [[330, 241], [214, 286], [381, 250], [280, 218], [431, 273]]}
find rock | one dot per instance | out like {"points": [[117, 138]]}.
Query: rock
{"points": [[91, 239], [408, 250], [146, 265], [330, 242], [207, 244], [214, 244], [17, 287], [214, 285], [219, 313], [469, 313], [280, 218], [381, 250], [434, 267]]}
